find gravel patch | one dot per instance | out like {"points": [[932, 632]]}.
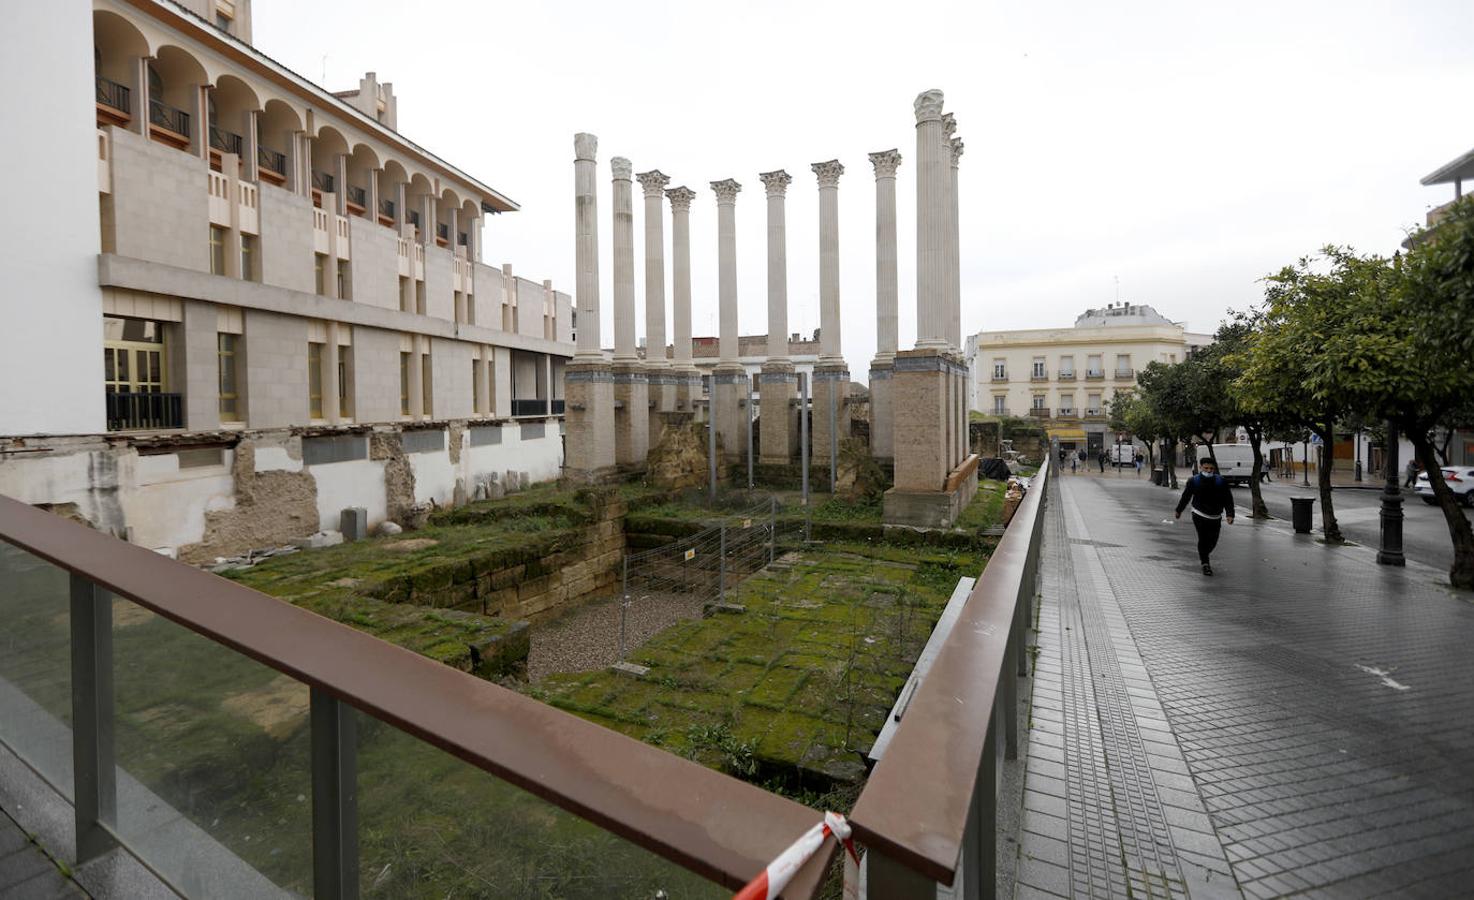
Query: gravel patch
{"points": [[588, 638]]}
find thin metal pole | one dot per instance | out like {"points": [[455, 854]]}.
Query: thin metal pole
{"points": [[749, 434], [96, 793], [833, 434], [711, 445], [334, 797], [803, 441], [722, 569], [772, 527], [624, 604], [1390, 553]]}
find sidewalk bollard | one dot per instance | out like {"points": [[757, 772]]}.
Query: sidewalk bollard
{"points": [[1301, 513]]}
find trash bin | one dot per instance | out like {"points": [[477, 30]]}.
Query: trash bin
{"points": [[1157, 476], [1300, 513]]}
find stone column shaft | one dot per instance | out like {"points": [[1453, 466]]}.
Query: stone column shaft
{"points": [[829, 318], [589, 382], [882, 420], [931, 232], [726, 192], [586, 245], [680, 232], [657, 367], [624, 261], [954, 249], [777, 383]]}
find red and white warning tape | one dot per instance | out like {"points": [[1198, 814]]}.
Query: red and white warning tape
{"points": [[772, 881]]}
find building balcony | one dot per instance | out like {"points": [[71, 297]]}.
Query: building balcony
{"points": [[999, 411], [127, 411], [1095, 414], [1094, 375], [442, 234], [1066, 376], [357, 200], [113, 102], [271, 165], [1067, 412], [1000, 376], [168, 124], [225, 141], [386, 212], [1125, 374], [530, 407], [1039, 412], [1039, 377]]}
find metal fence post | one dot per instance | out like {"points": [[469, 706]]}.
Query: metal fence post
{"points": [[711, 449], [722, 569], [772, 528], [334, 798], [749, 434], [624, 604], [96, 794], [803, 437], [833, 435]]}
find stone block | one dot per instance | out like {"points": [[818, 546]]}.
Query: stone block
{"points": [[779, 433], [882, 423], [831, 385], [589, 417], [353, 523]]}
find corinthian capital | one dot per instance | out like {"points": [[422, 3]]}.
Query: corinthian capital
{"points": [[949, 124], [623, 169], [956, 150], [585, 146], [726, 190], [680, 198], [828, 173], [776, 182], [928, 106], [653, 181], [886, 163]]}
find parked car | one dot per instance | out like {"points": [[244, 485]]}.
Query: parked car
{"points": [[1460, 480], [1123, 455], [1235, 462]]}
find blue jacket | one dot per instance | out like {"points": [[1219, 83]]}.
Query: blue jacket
{"points": [[1209, 495]]}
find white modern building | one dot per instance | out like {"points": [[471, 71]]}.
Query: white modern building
{"points": [[242, 302], [1066, 377]]}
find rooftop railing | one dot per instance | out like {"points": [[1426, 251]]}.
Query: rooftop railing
{"points": [[241, 746]]}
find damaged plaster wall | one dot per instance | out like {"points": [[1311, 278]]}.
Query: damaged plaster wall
{"points": [[272, 507], [399, 477]]}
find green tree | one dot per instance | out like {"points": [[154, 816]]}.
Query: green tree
{"points": [[1129, 413], [1230, 346]]}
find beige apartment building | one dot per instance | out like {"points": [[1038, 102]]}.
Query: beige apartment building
{"points": [[1065, 377], [245, 273]]}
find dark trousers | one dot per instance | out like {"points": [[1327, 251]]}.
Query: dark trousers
{"points": [[1208, 530]]}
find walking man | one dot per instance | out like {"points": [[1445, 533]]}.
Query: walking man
{"points": [[1212, 500], [1412, 474]]}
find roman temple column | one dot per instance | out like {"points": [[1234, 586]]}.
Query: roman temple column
{"points": [[631, 397], [729, 380], [831, 374], [887, 290], [954, 271], [931, 224], [589, 381], [657, 367], [688, 379], [778, 381]]}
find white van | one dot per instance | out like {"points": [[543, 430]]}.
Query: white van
{"points": [[1235, 461], [1123, 455]]}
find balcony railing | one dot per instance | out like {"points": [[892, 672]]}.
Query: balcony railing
{"points": [[1000, 411], [226, 141], [113, 95], [1000, 376], [558, 407], [442, 233], [271, 160], [128, 411], [1094, 413], [1039, 376], [1125, 373], [167, 117], [1067, 376], [322, 181], [1094, 375], [529, 407], [358, 197], [414, 218], [386, 210], [239, 712], [1066, 412], [1039, 412]]}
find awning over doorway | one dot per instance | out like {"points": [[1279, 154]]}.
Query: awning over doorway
{"points": [[1066, 434]]}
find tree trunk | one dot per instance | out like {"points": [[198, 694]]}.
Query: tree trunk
{"points": [[1448, 437], [1169, 464], [1258, 509], [1329, 528], [1461, 575]]}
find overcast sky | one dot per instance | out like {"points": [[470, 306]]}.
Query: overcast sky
{"points": [[1183, 148]]}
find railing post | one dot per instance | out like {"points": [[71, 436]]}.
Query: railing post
{"points": [[749, 434], [722, 569], [711, 447], [833, 436], [95, 774], [624, 604], [772, 528], [334, 798], [887, 878]]}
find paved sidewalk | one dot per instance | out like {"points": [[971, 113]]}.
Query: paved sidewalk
{"points": [[1302, 723]]}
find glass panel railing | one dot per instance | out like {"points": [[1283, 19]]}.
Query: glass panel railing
{"points": [[214, 789], [431, 825], [35, 665]]}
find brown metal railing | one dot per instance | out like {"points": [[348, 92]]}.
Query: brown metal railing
{"points": [[711, 824], [928, 812]]}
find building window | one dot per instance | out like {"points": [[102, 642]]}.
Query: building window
{"points": [[420, 297], [217, 250], [322, 281], [133, 356], [345, 381], [1123, 363], [1066, 403], [1039, 401], [248, 258], [470, 309], [406, 296], [225, 345], [1039, 371], [314, 379], [706, 385], [345, 281], [427, 393], [1066, 365], [458, 306], [1093, 366], [403, 383], [998, 408], [1094, 403], [1000, 369]]}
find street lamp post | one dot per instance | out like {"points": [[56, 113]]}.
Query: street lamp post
{"points": [[1357, 438], [1305, 462], [1390, 553]]}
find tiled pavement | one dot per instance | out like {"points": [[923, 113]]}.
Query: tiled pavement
{"points": [[27, 873], [1302, 723]]}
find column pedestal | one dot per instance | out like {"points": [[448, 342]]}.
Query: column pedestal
{"points": [[662, 388], [882, 425], [631, 415], [778, 386], [931, 487], [728, 403], [830, 380], [588, 389], [686, 383]]}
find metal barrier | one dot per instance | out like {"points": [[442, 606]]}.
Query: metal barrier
{"points": [[134, 411], [928, 813], [707, 823]]}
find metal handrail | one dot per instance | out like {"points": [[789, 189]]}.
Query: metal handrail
{"points": [[323, 181], [529, 407], [442, 231], [112, 94], [357, 196], [709, 823], [921, 824], [166, 116], [226, 141], [137, 410], [386, 208], [274, 160]]}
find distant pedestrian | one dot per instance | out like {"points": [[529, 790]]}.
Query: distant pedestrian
{"points": [[1073, 461], [1211, 500], [1101, 459], [1136, 461], [1412, 474]]}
